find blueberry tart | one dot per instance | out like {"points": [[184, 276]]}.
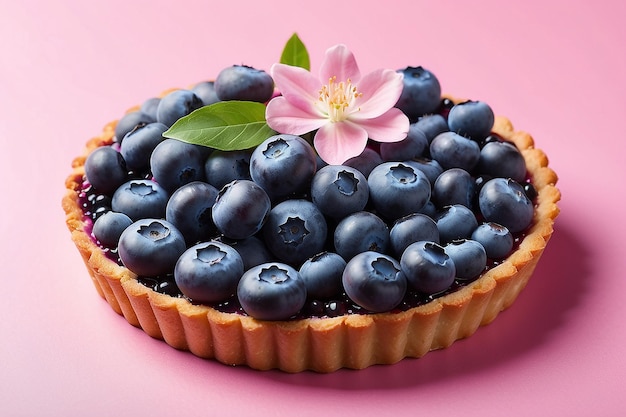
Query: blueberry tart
{"points": [[281, 220]]}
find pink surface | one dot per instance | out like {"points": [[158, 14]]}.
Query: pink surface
{"points": [[68, 67]]}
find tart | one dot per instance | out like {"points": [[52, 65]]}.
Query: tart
{"points": [[319, 342]]}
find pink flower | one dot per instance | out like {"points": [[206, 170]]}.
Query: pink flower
{"points": [[345, 108]]}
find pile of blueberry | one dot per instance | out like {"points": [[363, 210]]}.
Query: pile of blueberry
{"points": [[275, 233]]}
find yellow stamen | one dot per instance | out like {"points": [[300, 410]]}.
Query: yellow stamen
{"points": [[338, 98]]}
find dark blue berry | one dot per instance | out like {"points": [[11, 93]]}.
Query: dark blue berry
{"points": [[502, 159], [139, 143], [454, 186], [471, 119], [427, 267], [189, 209], [140, 199], [175, 163], [105, 169], [108, 228], [432, 125], [413, 146], [175, 105], [209, 272], [222, 167], [452, 150], [469, 258], [241, 82], [206, 92], [504, 201], [360, 232], [151, 247], [339, 190], [131, 121], [295, 231], [421, 93], [271, 291], [283, 165], [365, 162], [455, 222], [398, 189], [496, 239], [322, 275], [410, 229], [374, 281], [241, 209]]}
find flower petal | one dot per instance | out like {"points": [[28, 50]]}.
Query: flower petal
{"points": [[391, 126], [285, 117], [297, 85], [337, 142], [380, 91], [339, 62]]}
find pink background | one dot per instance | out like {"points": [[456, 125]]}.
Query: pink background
{"points": [[556, 68]]}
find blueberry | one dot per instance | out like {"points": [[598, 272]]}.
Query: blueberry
{"points": [[410, 147], [130, 121], [283, 165], [360, 232], [421, 93], [175, 163], [271, 291], [208, 272], [452, 150], [241, 82], [253, 251], [471, 119], [430, 167], [365, 162], [150, 106], [374, 281], [241, 209], [222, 167], [455, 222], [398, 189], [496, 239], [319, 162], [530, 190], [469, 257], [175, 105], [140, 199], [339, 190], [139, 143], [206, 92], [105, 169], [504, 201], [189, 209], [492, 137], [410, 229], [432, 125], [429, 210], [322, 275], [427, 267], [151, 247], [108, 228], [454, 186], [502, 159], [295, 230]]}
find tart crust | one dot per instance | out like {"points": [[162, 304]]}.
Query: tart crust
{"points": [[320, 344]]}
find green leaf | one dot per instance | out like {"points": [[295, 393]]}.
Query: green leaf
{"points": [[225, 125], [295, 54]]}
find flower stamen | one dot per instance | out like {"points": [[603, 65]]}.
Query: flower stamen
{"points": [[338, 99]]}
